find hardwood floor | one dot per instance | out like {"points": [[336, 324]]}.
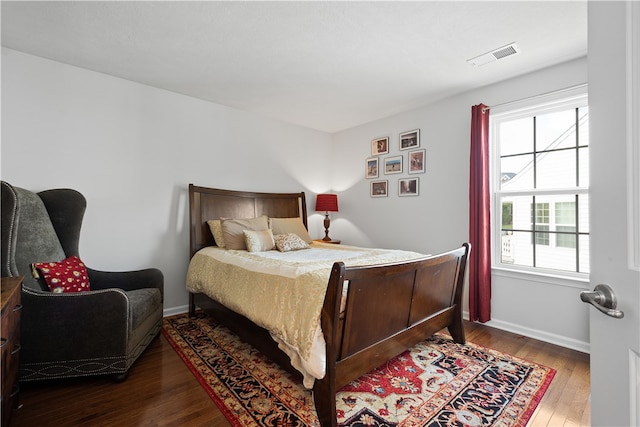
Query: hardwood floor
{"points": [[567, 401], [161, 391]]}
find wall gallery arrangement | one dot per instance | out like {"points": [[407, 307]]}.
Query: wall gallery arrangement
{"points": [[413, 163]]}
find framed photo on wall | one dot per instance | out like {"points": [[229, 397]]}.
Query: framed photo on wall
{"points": [[380, 146], [393, 165], [379, 188], [410, 139], [371, 168], [417, 161], [408, 187]]}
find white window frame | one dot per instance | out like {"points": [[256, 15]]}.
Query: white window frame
{"points": [[548, 103]]}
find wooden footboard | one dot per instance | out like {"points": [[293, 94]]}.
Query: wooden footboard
{"points": [[388, 309]]}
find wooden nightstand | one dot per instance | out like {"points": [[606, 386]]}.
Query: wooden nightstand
{"points": [[11, 307], [335, 242]]}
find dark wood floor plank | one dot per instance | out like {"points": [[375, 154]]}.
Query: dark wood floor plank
{"points": [[161, 391]]}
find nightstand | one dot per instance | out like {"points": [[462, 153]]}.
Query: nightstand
{"points": [[11, 307], [335, 242]]}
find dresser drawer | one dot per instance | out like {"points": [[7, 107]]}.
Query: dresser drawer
{"points": [[11, 318], [10, 345]]}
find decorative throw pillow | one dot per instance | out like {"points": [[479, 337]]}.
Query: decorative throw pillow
{"points": [[215, 225], [233, 230], [259, 241], [289, 242], [68, 275], [290, 225]]}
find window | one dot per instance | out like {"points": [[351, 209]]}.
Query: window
{"points": [[541, 186], [540, 223], [566, 224]]}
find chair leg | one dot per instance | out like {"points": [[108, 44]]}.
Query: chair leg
{"points": [[118, 378]]}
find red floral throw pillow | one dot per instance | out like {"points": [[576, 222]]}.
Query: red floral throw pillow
{"points": [[68, 275]]}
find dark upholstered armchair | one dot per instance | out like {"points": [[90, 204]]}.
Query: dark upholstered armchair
{"points": [[102, 331]]}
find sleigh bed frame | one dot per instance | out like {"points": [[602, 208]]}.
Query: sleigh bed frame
{"points": [[389, 308]]}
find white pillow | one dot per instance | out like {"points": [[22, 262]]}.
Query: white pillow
{"points": [[259, 241], [289, 242]]}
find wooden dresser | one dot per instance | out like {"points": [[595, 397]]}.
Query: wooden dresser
{"points": [[10, 337]]}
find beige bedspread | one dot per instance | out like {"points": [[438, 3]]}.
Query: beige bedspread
{"points": [[282, 292]]}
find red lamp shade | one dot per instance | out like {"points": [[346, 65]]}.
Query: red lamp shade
{"points": [[327, 202]]}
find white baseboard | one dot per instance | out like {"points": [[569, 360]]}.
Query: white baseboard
{"points": [[560, 340], [175, 310]]}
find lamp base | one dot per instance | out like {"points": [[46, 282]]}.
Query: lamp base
{"points": [[327, 222]]}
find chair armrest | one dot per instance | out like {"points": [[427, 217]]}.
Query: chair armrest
{"points": [[127, 280], [76, 325]]}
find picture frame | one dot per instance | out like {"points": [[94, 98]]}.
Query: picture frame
{"points": [[410, 139], [393, 165], [379, 188], [380, 146], [371, 168], [409, 187], [416, 162]]}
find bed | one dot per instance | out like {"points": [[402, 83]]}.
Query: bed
{"points": [[367, 313]]}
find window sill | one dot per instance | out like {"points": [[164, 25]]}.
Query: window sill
{"points": [[572, 282]]}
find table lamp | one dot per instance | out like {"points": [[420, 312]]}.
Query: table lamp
{"points": [[327, 203]]}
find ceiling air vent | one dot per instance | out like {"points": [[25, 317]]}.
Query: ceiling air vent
{"points": [[494, 55]]}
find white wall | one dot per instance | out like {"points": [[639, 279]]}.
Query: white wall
{"points": [[437, 220], [132, 150]]}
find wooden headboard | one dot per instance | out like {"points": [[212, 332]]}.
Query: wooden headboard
{"points": [[212, 203]]}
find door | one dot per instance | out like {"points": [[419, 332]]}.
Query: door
{"points": [[614, 48]]}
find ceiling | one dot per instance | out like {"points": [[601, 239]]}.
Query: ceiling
{"points": [[323, 65]]}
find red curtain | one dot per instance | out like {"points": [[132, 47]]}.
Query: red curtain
{"points": [[479, 217]]}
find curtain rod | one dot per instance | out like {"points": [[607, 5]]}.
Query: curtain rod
{"points": [[566, 89]]}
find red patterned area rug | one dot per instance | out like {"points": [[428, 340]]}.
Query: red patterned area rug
{"points": [[435, 383]]}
